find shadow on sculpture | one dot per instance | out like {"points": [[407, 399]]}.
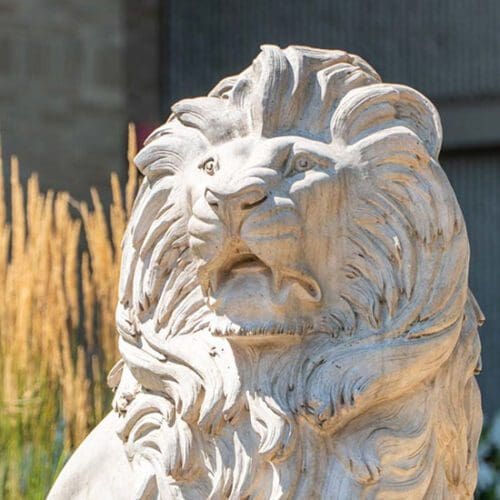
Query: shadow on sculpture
{"points": [[294, 313]]}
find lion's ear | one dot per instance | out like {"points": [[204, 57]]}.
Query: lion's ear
{"points": [[381, 106]]}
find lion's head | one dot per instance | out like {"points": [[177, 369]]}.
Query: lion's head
{"points": [[294, 224]]}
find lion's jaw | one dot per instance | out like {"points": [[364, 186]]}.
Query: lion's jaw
{"points": [[253, 226]]}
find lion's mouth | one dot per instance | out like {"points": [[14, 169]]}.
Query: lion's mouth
{"points": [[245, 264], [238, 264]]}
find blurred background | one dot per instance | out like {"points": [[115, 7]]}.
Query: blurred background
{"points": [[74, 73]]}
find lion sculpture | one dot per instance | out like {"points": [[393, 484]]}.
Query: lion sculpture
{"points": [[294, 312]]}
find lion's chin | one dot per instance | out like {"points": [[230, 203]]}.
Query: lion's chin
{"points": [[248, 305], [222, 326]]}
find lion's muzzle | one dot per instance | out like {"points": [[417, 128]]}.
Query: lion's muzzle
{"points": [[249, 245]]}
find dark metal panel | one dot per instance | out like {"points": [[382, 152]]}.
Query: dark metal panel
{"points": [[446, 48], [469, 125], [476, 180], [143, 54]]}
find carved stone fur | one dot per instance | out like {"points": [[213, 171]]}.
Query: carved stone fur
{"points": [[294, 314]]}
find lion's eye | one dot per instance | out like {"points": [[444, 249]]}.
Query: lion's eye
{"points": [[300, 164], [210, 166]]}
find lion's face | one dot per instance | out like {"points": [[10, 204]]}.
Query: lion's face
{"points": [[288, 201], [263, 229]]}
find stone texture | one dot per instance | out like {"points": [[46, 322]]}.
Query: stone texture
{"points": [[294, 312]]}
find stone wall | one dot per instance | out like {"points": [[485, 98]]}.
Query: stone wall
{"points": [[62, 90]]}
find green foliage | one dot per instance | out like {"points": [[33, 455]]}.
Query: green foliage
{"points": [[488, 487], [32, 449]]}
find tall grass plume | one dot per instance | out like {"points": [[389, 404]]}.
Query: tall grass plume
{"points": [[59, 267]]}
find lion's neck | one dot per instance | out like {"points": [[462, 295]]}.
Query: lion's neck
{"points": [[318, 419], [270, 442], [243, 458]]}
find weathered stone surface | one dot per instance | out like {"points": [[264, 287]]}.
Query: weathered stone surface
{"points": [[294, 314]]}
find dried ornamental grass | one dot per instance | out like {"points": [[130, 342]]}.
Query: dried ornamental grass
{"points": [[58, 289]]}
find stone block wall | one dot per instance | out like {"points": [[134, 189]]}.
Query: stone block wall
{"points": [[62, 90]]}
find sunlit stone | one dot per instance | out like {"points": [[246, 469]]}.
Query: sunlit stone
{"points": [[294, 314]]}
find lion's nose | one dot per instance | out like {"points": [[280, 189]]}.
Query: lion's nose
{"points": [[233, 206]]}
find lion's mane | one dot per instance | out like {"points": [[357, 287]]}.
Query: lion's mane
{"points": [[382, 399]]}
